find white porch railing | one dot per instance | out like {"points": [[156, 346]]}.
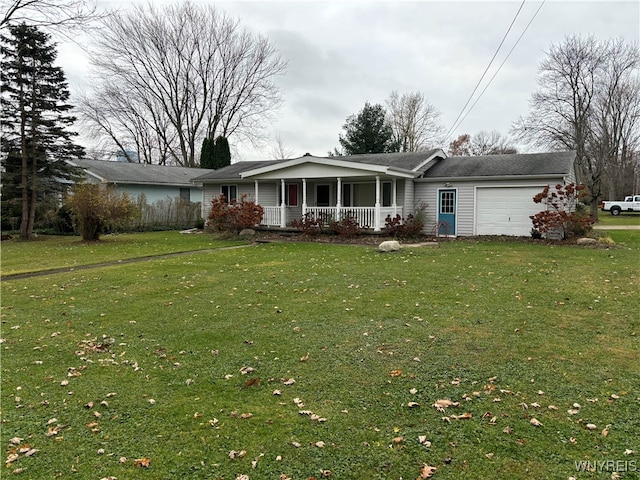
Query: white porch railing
{"points": [[365, 216], [271, 216]]}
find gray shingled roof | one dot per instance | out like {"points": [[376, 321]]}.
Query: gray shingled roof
{"points": [[141, 173], [406, 161], [524, 164]]}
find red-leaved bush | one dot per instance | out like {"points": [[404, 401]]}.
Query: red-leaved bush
{"points": [[563, 216], [235, 216]]}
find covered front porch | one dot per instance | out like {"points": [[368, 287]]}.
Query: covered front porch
{"points": [[368, 201]]}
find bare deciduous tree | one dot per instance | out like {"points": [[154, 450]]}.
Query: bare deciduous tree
{"points": [[583, 104], [482, 143], [171, 76], [414, 121], [280, 151], [49, 14]]}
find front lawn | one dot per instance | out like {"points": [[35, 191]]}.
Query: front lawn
{"points": [[48, 252], [301, 360]]}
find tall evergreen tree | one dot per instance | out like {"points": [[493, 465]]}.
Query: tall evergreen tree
{"points": [[36, 141], [207, 153], [368, 132], [221, 153]]}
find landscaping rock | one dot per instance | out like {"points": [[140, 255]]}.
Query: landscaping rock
{"points": [[586, 241], [247, 232], [389, 246]]}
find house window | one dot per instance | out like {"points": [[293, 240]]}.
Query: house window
{"points": [[346, 194], [185, 194], [447, 202], [230, 192], [386, 194], [323, 193]]}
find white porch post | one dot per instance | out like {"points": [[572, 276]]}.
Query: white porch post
{"points": [[283, 209], [339, 199], [255, 194], [376, 225], [304, 196], [394, 194]]}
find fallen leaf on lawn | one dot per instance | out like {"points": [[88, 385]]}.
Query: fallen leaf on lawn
{"points": [[440, 405], [573, 411], [213, 421], [15, 441], [246, 415], [233, 454], [489, 455], [253, 381], [246, 370], [143, 462], [614, 396], [507, 430], [590, 426], [122, 459], [18, 471], [277, 392], [413, 391], [52, 421], [605, 432], [305, 357], [552, 407], [396, 373], [413, 404], [296, 444], [254, 463], [242, 477], [628, 451], [464, 416], [535, 422], [398, 440], [573, 440], [422, 439], [320, 444], [289, 381], [12, 457], [426, 471]]}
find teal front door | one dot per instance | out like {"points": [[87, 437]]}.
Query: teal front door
{"points": [[447, 212]]}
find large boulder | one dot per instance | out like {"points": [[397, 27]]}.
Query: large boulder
{"points": [[247, 232], [389, 246]]}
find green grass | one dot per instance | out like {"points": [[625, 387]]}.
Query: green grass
{"points": [[492, 325], [47, 252]]}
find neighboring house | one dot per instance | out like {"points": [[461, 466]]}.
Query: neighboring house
{"points": [[166, 196], [484, 195], [157, 182]]}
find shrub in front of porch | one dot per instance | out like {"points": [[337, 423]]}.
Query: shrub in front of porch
{"points": [[347, 227], [409, 227], [235, 216], [309, 225]]}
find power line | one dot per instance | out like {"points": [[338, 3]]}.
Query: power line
{"points": [[455, 123], [502, 64]]}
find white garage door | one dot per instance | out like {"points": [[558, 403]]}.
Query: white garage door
{"points": [[506, 210]]}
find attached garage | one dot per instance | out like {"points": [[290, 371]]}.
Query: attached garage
{"points": [[505, 210]]}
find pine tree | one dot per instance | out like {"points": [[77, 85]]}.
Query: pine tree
{"points": [[221, 153], [368, 132], [36, 142], [206, 153]]}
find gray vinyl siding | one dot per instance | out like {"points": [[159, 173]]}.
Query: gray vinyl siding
{"points": [[427, 192]]}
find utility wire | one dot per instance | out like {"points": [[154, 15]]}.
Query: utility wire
{"points": [[455, 123], [502, 64]]}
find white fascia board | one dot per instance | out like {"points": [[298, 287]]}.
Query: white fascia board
{"points": [[88, 172], [314, 160], [437, 153], [489, 178], [364, 168]]}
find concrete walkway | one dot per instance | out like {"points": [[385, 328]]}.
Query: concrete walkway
{"points": [[616, 227]]}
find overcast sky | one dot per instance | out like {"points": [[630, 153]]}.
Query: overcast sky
{"points": [[344, 53]]}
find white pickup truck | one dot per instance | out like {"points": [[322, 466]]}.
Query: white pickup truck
{"points": [[630, 204]]}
